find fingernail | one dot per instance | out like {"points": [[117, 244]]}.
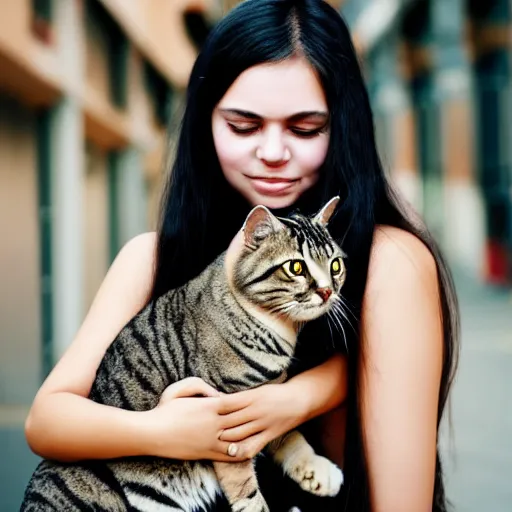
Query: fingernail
{"points": [[232, 449]]}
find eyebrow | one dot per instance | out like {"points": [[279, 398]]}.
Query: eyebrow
{"points": [[294, 118]]}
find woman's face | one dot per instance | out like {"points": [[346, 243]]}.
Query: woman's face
{"points": [[271, 132]]}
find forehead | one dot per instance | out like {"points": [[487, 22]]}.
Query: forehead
{"points": [[311, 239], [277, 90]]}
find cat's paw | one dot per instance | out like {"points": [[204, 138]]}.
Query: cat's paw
{"points": [[316, 475], [254, 504]]}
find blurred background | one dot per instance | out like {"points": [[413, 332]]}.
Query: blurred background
{"points": [[88, 89]]}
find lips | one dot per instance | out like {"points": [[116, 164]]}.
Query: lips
{"points": [[273, 186]]}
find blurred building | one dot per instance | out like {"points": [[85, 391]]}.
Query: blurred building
{"points": [[87, 89], [439, 76]]}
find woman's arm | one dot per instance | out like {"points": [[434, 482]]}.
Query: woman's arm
{"points": [[400, 372], [63, 424], [254, 418], [320, 389]]}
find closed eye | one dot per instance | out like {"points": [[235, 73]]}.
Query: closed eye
{"points": [[307, 133], [245, 129], [248, 129]]}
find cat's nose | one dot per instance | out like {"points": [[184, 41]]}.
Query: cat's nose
{"points": [[324, 293]]}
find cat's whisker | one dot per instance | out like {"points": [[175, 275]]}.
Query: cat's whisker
{"points": [[336, 324], [300, 326], [339, 328], [342, 313], [339, 323], [284, 309], [280, 310], [339, 307], [346, 306], [330, 329]]}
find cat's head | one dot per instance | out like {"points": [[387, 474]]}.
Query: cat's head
{"points": [[290, 266]]}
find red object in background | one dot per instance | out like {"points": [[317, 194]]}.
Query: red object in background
{"points": [[497, 263], [43, 30]]}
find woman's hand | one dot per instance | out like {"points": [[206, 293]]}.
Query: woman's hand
{"points": [[187, 423], [253, 418], [184, 426]]}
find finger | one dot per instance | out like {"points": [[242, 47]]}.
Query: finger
{"points": [[196, 386], [252, 446], [234, 402], [239, 418], [189, 387], [241, 432], [228, 452]]}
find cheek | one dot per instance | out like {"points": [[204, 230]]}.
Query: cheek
{"points": [[231, 151], [309, 157], [338, 283], [302, 287]]}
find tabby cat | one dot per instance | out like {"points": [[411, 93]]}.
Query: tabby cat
{"points": [[234, 326]]}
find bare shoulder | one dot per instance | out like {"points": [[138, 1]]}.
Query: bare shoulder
{"points": [[142, 246], [133, 268], [400, 259]]}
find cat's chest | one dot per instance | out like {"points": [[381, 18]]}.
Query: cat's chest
{"points": [[232, 365]]}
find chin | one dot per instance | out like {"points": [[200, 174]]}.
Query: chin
{"points": [[273, 202], [310, 314]]}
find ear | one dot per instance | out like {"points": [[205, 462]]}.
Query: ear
{"points": [[325, 214], [258, 225]]}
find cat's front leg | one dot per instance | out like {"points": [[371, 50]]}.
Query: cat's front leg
{"points": [[238, 481], [312, 472]]}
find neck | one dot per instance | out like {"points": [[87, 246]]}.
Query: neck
{"points": [[286, 329]]}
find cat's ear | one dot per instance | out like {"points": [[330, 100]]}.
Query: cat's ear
{"points": [[258, 225], [325, 214]]}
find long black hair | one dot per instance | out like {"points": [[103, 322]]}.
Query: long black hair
{"points": [[201, 212]]}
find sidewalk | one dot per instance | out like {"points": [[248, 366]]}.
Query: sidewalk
{"points": [[478, 456]]}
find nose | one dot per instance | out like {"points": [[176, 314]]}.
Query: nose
{"points": [[324, 293], [272, 149]]}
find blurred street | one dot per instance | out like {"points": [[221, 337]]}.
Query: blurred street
{"points": [[478, 455]]}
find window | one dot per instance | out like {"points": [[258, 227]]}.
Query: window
{"points": [[160, 93], [115, 47]]}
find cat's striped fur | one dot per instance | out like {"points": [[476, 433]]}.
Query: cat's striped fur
{"points": [[209, 328]]}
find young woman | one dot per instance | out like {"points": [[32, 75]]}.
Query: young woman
{"points": [[277, 114]]}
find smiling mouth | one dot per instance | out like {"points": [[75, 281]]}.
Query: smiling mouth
{"points": [[273, 186], [273, 179]]}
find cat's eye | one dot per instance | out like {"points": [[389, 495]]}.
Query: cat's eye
{"points": [[294, 268], [336, 267]]}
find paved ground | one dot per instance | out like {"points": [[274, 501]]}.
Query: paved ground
{"points": [[478, 455], [478, 458]]}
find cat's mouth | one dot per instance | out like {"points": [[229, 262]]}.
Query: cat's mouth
{"points": [[312, 310]]}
